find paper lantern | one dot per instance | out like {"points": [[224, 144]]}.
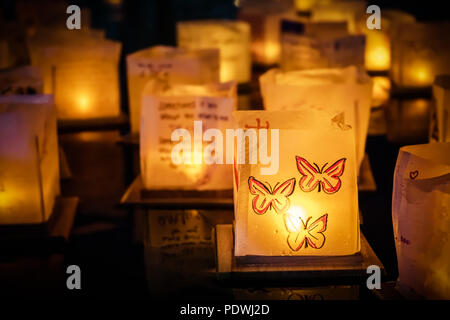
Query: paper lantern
{"points": [[419, 53], [308, 5], [440, 117], [378, 41], [337, 90], [79, 70], [351, 11], [168, 65], [309, 206], [381, 90], [264, 18], [179, 107], [420, 207], [29, 169], [312, 45], [232, 38], [21, 80]]}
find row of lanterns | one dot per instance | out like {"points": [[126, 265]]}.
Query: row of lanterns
{"points": [[319, 100]]}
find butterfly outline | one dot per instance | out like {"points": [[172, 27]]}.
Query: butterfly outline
{"points": [[308, 239]]}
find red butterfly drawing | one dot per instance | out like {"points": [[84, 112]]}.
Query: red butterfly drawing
{"points": [[266, 198], [314, 176], [304, 234]]}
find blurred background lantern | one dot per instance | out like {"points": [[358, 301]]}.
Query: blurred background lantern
{"points": [[312, 45], [440, 116], [336, 90], [420, 207], [309, 207], [4, 54], [378, 41], [78, 69], [29, 168], [419, 53], [170, 66], [167, 108], [232, 38], [264, 18]]}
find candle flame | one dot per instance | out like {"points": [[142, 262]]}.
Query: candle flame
{"points": [[295, 216]]}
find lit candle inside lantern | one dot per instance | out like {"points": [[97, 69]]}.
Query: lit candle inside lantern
{"points": [[378, 51]]}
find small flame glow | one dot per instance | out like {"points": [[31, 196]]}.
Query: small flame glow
{"points": [[294, 217]]}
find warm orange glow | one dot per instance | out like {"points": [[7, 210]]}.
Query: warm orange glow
{"points": [[296, 215], [272, 52], [83, 103], [421, 75], [378, 58]]}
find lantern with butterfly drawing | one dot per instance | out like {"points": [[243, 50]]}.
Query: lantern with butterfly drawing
{"points": [[302, 199]]}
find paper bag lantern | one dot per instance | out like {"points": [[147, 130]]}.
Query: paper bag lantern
{"points": [[337, 90], [232, 38], [440, 117], [313, 45], [81, 72], [419, 53], [21, 80], [168, 65], [29, 169], [309, 206], [351, 11], [265, 18], [378, 41], [420, 212], [193, 109]]}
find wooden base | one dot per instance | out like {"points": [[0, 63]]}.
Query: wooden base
{"points": [[49, 236], [108, 123], [242, 269], [136, 195]]}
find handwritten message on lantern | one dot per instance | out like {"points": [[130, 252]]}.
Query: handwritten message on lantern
{"points": [[177, 108], [169, 66]]}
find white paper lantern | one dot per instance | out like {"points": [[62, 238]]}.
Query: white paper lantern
{"points": [[309, 206], [79, 69], [29, 168], [170, 66], [419, 53], [313, 45], [420, 213], [232, 38], [336, 90], [177, 107]]}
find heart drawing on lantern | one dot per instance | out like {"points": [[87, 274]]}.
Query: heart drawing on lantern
{"points": [[413, 174]]}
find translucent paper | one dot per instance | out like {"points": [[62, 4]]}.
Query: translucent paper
{"points": [[81, 70], [336, 90], [170, 66], [232, 38], [29, 168], [313, 45], [419, 53], [420, 207], [283, 214], [177, 107]]}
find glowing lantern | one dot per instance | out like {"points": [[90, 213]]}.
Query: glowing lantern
{"points": [[168, 65], [79, 70], [232, 38], [308, 5], [378, 46], [29, 168], [192, 109], [420, 207], [440, 125], [419, 53], [306, 207], [312, 45], [351, 11], [337, 90], [264, 18], [381, 90]]}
